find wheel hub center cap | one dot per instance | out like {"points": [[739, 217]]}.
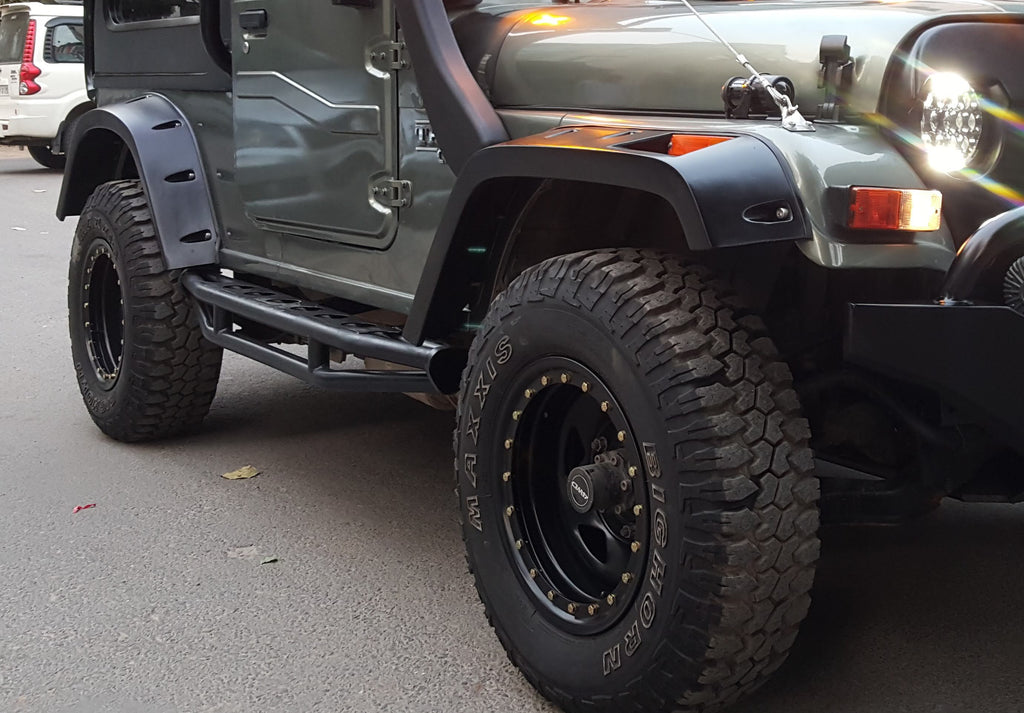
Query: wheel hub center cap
{"points": [[581, 490]]}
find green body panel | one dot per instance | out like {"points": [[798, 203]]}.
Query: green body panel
{"points": [[659, 58], [833, 155]]}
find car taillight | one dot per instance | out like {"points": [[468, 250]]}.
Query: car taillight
{"points": [[28, 70]]}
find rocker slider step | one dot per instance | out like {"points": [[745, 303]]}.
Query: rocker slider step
{"points": [[433, 368]]}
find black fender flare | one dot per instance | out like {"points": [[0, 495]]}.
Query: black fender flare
{"points": [[737, 192], [166, 156]]}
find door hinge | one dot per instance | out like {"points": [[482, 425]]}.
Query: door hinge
{"points": [[392, 192], [389, 56]]}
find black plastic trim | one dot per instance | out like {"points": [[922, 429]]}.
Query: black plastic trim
{"points": [[980, 266], [436, 367], [709, 191], [180, 209], [210, 19], [460, 114], [970, 355]]}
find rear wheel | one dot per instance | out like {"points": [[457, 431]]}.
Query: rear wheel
{"points": [[144, 369], [45, 157], [636, 488]]}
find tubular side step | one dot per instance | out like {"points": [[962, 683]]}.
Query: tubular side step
{"points": [[433, 367]]}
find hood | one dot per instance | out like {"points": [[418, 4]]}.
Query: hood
{"points": [[657, 57]]}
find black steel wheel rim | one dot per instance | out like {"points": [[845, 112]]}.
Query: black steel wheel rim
{"points": [[103, 314], [573, 492]]}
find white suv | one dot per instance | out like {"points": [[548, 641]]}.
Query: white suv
{"points": [[42, 74]]}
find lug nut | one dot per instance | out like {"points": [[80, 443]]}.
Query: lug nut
{"points": [[633, 471], [508, 444], [637, 509], [610, 599], [533, 573], [519, 544], [585, 387], [543, 381], [635, 546], [571, 608], [528, 393], [509, 510], [505, 476], [565, 378], [516, 415], [622, 436], [605, 406], [551, 594], [626, 577], [592, 609]]}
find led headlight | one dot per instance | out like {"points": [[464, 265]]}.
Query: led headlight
{"points": [[951, 121]]}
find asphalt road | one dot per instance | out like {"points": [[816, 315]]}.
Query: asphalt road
{"points": [[156, 599]]}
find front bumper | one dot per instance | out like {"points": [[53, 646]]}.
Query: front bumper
{"points": [[968, 352]]}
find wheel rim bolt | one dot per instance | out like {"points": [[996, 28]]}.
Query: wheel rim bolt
{"points": [[571, 608], [519, 544], [585, 387], [622, 436], [516, 415], [635, 546], [592, 609], [637, 509], [605, 406], [533, 573], [528, 393], [626, 577], [508, 444], [543, 381], [610, 599], [505, 476], [632, 471], [551, 595], [509, 510], [565, 378]]}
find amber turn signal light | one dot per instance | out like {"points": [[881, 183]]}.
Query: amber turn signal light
{"points": [[688, 143], [894, 209]]}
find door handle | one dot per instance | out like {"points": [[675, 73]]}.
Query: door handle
{"points": [[253, 20]]}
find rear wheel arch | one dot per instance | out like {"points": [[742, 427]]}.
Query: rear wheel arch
{"points": [[150, 139]]}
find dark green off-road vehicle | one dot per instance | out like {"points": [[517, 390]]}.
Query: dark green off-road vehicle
{"points": [[675, 262]]}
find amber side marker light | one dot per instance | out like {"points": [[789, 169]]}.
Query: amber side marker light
{"points": [[894, 209], [688, 143]]}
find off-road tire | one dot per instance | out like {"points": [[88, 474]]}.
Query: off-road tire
{"points": [[729, 542], [45, 157], [162, 378]]}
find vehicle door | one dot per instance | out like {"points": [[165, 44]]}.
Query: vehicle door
{"points": [[314, 118]]}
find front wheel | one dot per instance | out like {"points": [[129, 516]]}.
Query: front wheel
{"points": [[143, 366], [635, 484]]}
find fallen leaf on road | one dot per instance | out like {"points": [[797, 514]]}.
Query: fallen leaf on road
{"points": [[82, 507], [268, 560], [242, 473]]}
